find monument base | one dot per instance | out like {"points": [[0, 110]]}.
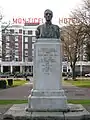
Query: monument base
{"points": [[47, 100], [18, 112]]}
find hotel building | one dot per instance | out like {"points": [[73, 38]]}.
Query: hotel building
{"points": [[17, 47], [17, 50]]}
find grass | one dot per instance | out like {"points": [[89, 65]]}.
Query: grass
{"points": [[18, 83], [5, 102], [80, 83], [79, 101]]}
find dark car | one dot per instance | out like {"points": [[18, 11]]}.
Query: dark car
{"points": [[18, 75], [28, 74], [4, 75]]}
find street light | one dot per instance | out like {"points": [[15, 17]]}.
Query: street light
{"points": [[81, 48]]}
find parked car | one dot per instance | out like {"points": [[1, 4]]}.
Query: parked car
{"points": [[4, 75], [28, 74], [87, 75], [18, 75]]}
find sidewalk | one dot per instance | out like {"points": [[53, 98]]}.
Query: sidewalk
{"points": [[16, 93], [73, 92], [22, 92]]}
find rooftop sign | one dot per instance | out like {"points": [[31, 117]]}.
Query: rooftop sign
{"points": [[27, 20], [61, 21]]}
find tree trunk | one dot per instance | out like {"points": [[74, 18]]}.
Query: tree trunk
{"points": [[73, 72]]}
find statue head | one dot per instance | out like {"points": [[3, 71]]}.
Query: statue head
{"points": [[48, 14]]}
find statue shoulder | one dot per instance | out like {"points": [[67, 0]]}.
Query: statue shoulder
{"points": [[57, 29], [38, 30], [56, 26], [40, 26]]}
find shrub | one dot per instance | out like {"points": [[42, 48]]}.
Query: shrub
{"points": [[3, 84], [10, 82]]}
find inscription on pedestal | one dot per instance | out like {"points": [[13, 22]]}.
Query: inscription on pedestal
{"points": [[47, 59]]}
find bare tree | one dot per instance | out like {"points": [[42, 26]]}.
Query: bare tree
{"points": [[82, 15], [2, 43], [8, 46], [73, 37]]}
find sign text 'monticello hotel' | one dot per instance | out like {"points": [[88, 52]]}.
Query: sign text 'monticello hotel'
{"points": [[41, 20], [27, 20]]}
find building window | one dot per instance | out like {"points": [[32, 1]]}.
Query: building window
{"points": [[7, 38], [16, 38], [20, 30], [16, 45], [26, 46], [30, 32], [26, 39], [26, 32], [16, 52], [26, 59], [7, 52], [11, 30], [7, 44], [23, 31], [32, 46], [7, 59], [32, 52], [65, 59], [34, 32], [26, 53], [3, 31], [64, 68], [16, 30], [33, 39]]}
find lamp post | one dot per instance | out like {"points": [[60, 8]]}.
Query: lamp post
{"points": [[81, 48]]}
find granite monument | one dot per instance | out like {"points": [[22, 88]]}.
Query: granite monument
{"points": [[47, 93]]}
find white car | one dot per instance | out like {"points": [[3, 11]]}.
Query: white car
{"points": [[87, 75]]}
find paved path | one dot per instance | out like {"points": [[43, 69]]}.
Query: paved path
{"points": [[73, 92], [22, 92]]}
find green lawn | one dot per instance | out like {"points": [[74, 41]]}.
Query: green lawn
{"points": [[17, 83], [3, 102], [79, 101], [80, 83]]}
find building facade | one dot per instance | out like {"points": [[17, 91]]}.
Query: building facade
{"points": [[18, 50], [17, 47]]}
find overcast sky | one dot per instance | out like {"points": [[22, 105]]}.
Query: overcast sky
{"points": [[35, 8]]}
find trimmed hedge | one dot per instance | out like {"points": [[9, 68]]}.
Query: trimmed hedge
{"points": [[10, 82], [3, 84]]}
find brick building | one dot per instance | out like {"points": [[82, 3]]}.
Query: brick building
{"points": [[17, 50], [17, 47]]}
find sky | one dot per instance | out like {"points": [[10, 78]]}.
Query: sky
{"points": [[35, 8]]}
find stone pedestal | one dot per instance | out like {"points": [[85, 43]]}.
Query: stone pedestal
{"points": [[17, 112], [47, 92]]}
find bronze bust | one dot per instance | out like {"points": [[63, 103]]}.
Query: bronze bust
{"points": [[48, 30]]}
